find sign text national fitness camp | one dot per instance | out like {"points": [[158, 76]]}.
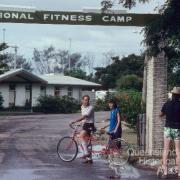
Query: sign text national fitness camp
{"points": [[76, 18]]}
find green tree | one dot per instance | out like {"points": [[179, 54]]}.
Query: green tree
{"points": [[164, 29], [174, 72], [132, 64], [130, 82]]}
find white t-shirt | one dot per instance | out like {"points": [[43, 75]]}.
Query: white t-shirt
{"points": [[89, 113]]}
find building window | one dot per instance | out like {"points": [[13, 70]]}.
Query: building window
{"points": [[28, 94], [12, 94], [43, 90], [70, 91], [57, 91]]}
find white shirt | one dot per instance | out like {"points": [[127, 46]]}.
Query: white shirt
{"points": [[89, 113]]}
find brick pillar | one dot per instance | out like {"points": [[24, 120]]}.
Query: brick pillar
{"points": [[156, 96]]}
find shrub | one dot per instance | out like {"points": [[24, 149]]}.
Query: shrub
{"points": [[130, 82], [52, 104], [17, 109], [69, 104], [101, 105], [130, 103]]}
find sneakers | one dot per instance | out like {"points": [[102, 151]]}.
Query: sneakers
{"points": [[88, 161], [86, 156]]}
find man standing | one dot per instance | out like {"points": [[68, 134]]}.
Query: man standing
{"points": [[171, 110]]}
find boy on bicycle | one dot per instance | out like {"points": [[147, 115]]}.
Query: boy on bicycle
{"points": [[87, 112]]}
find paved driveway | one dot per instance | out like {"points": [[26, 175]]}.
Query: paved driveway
{"points": [[28, 151]]}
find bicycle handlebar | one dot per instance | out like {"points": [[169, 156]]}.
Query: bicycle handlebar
{"points": [[74, 127], [70, 125]]}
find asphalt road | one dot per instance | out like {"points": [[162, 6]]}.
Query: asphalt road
{"points": [[28, 152]]}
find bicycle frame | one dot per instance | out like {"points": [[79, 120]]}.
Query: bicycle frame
{"points": [[96, 140], [117, 148]]}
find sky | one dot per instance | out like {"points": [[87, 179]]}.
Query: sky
{"points": [[84, 39]]}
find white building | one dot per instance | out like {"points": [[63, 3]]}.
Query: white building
{"points": [[21, 88]]}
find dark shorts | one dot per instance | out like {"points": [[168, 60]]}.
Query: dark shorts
{"points": [[89, 128], [116, 135]]}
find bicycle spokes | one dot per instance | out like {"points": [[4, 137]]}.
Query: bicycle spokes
{"points": [[67, 149], [119, 153]]}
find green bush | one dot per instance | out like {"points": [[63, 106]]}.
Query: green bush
{"points": [[52, 104], [130, 82], [69, 104], [101, 105], [131, 106], [17, 109], [1, 101]]}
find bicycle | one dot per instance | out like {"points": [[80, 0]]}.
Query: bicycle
{"points": [[69, 146]]}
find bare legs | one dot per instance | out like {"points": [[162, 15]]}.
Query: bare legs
{"points": [[84, 140], [165, 154], [177, 146]]}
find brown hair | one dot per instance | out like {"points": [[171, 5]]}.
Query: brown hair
{"points": [[86, 96], [112, 101]]}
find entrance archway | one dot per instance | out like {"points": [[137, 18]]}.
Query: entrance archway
{"points": [[155, 76]]}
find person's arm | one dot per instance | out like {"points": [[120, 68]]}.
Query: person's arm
{"points": [[163, 111], [161, 114], [105, 127], [119, 121], [79, 120]]}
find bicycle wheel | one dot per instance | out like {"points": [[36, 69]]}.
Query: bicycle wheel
{"points": [[119, 152], [67, 149]]}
